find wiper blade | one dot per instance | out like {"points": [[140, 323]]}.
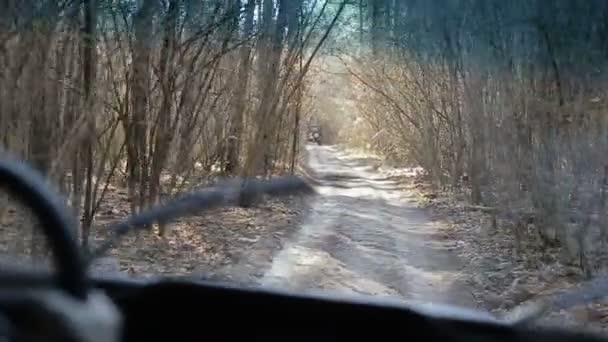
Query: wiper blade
{"points": [[528, 313], [235, 192]]}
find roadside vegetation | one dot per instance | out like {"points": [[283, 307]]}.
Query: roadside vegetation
{"points": [[122, 104]]}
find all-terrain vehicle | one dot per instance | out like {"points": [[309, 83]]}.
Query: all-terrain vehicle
{"points": [[314, 134], [71, 305]]}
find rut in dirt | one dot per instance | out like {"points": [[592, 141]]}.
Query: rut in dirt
{"points": [[362, 236]]}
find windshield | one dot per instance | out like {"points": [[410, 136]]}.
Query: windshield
{"points": [[457, 148]]}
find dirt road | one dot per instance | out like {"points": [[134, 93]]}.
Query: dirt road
{"points": [[363, 236]]}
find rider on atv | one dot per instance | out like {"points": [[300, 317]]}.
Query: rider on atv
{"points": [[314, 134]]}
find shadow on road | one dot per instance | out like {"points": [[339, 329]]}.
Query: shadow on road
{"points": [[362, 236]]}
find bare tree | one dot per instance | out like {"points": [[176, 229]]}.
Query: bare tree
{"points": [[498, 100]]}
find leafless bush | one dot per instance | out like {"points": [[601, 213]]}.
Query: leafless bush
{"points": [[99, 92], [502, 100]]}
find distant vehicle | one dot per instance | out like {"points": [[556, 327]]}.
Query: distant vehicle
{"points": [[314, 135]]}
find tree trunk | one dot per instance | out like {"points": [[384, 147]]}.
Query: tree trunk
{"points": [[89, 76], [164, 129], [240, 97], [259, 154], [138, 127]]}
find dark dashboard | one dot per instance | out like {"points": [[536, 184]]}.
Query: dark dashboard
{"points": [[188, 311]]}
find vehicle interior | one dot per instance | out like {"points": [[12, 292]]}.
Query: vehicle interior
{"points": [[72, 306]]}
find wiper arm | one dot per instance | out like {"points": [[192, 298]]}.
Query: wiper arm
{"points": [[224, 194]]}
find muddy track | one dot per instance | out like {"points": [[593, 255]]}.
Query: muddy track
{"points": [[362, 236]]}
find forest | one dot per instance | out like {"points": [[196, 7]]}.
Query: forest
{"points": [[504, 100], [155, 95]]}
